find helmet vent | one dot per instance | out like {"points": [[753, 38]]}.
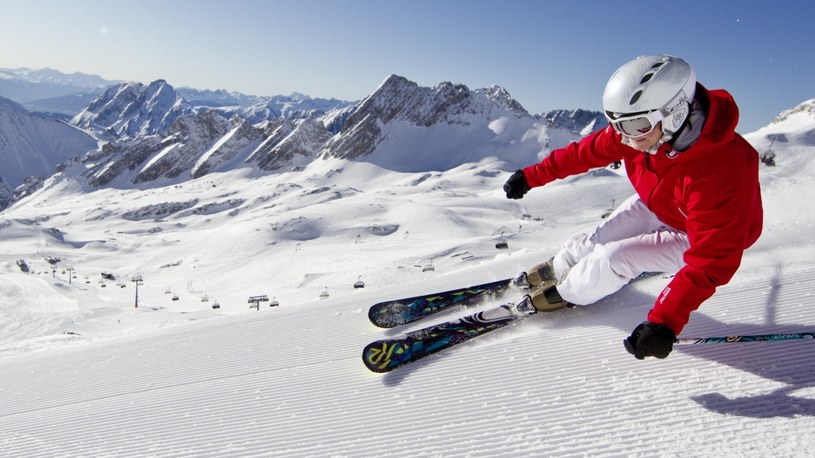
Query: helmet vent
{"points": [[635, 97], [647, 77]]}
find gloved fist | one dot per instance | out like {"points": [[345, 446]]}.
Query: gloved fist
{"points": [[516, 186], [650, 339]]}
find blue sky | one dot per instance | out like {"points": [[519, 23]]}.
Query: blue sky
{"points": [[547, 54]]}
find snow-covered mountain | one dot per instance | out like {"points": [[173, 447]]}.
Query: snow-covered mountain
{"points": [[51, 90], [579, 121], [201, 144], [794, 124], [33, 144], [26, 84], [455, 125], [405, 127], [83, 372], [401, 126], [134, 110], [6, 196], [196, 145], [256, 109]]}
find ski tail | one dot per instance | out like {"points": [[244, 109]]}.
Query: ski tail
{"points": [[398, 312]]}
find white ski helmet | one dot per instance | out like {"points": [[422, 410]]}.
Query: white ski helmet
{"points": [[646, 85]]}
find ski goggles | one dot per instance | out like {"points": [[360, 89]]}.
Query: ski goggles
{"points": [[635, 125]]}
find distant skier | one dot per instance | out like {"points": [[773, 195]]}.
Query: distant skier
{"points": [[696, 209]]}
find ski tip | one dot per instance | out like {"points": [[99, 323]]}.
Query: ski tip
{"points": [[382, 355], [379, 319]]}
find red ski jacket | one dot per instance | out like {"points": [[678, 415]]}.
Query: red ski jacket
{"points": [[710, 191]]}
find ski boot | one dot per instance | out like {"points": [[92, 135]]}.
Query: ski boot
{"points": [[547, 299], [540, 276], [540, 300]]}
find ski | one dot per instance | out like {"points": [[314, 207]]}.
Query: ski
{"points": [[388, 354], [397, 312]]}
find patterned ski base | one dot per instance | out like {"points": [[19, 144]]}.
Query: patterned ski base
{"points": [[388, 354], [397, 312]]}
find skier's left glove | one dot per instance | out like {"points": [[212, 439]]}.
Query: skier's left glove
{"points": [[516, 186], [650, 339]]}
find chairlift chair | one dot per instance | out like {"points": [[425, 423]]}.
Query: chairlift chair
{"points": [[501, 244]]}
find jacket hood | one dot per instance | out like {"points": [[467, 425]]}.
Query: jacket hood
{"points": [[720, 125]]}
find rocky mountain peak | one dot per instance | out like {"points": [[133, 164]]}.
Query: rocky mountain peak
{"points": [[400, 101], [501, 96], [133, 109], [806, 108]]}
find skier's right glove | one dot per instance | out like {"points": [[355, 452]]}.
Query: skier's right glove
{"points": [[650, 339], [516, 186]]}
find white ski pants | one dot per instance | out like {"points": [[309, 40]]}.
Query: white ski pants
{"points": [[631, 241]]}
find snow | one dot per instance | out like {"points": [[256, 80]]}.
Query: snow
{"points": [[205, 157], [85, 373], [155, 159]]}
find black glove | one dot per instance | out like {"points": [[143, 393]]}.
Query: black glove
{"points": [[516, 186], [650, 339]]}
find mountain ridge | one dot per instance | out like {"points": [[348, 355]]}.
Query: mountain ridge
{"points": [[448, 121], [32, 144]]}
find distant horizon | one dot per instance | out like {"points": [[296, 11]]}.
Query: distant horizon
{"points": [[548, 55], [244, 93], [296, 93]]}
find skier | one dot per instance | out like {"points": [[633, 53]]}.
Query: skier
{"points": [[697, 205]]}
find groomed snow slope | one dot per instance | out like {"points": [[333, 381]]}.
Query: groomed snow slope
{"points": [[290, 383], [176, 378]]}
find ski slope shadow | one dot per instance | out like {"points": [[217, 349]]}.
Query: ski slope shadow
{"points": [[776, 296], [785, 362]]}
